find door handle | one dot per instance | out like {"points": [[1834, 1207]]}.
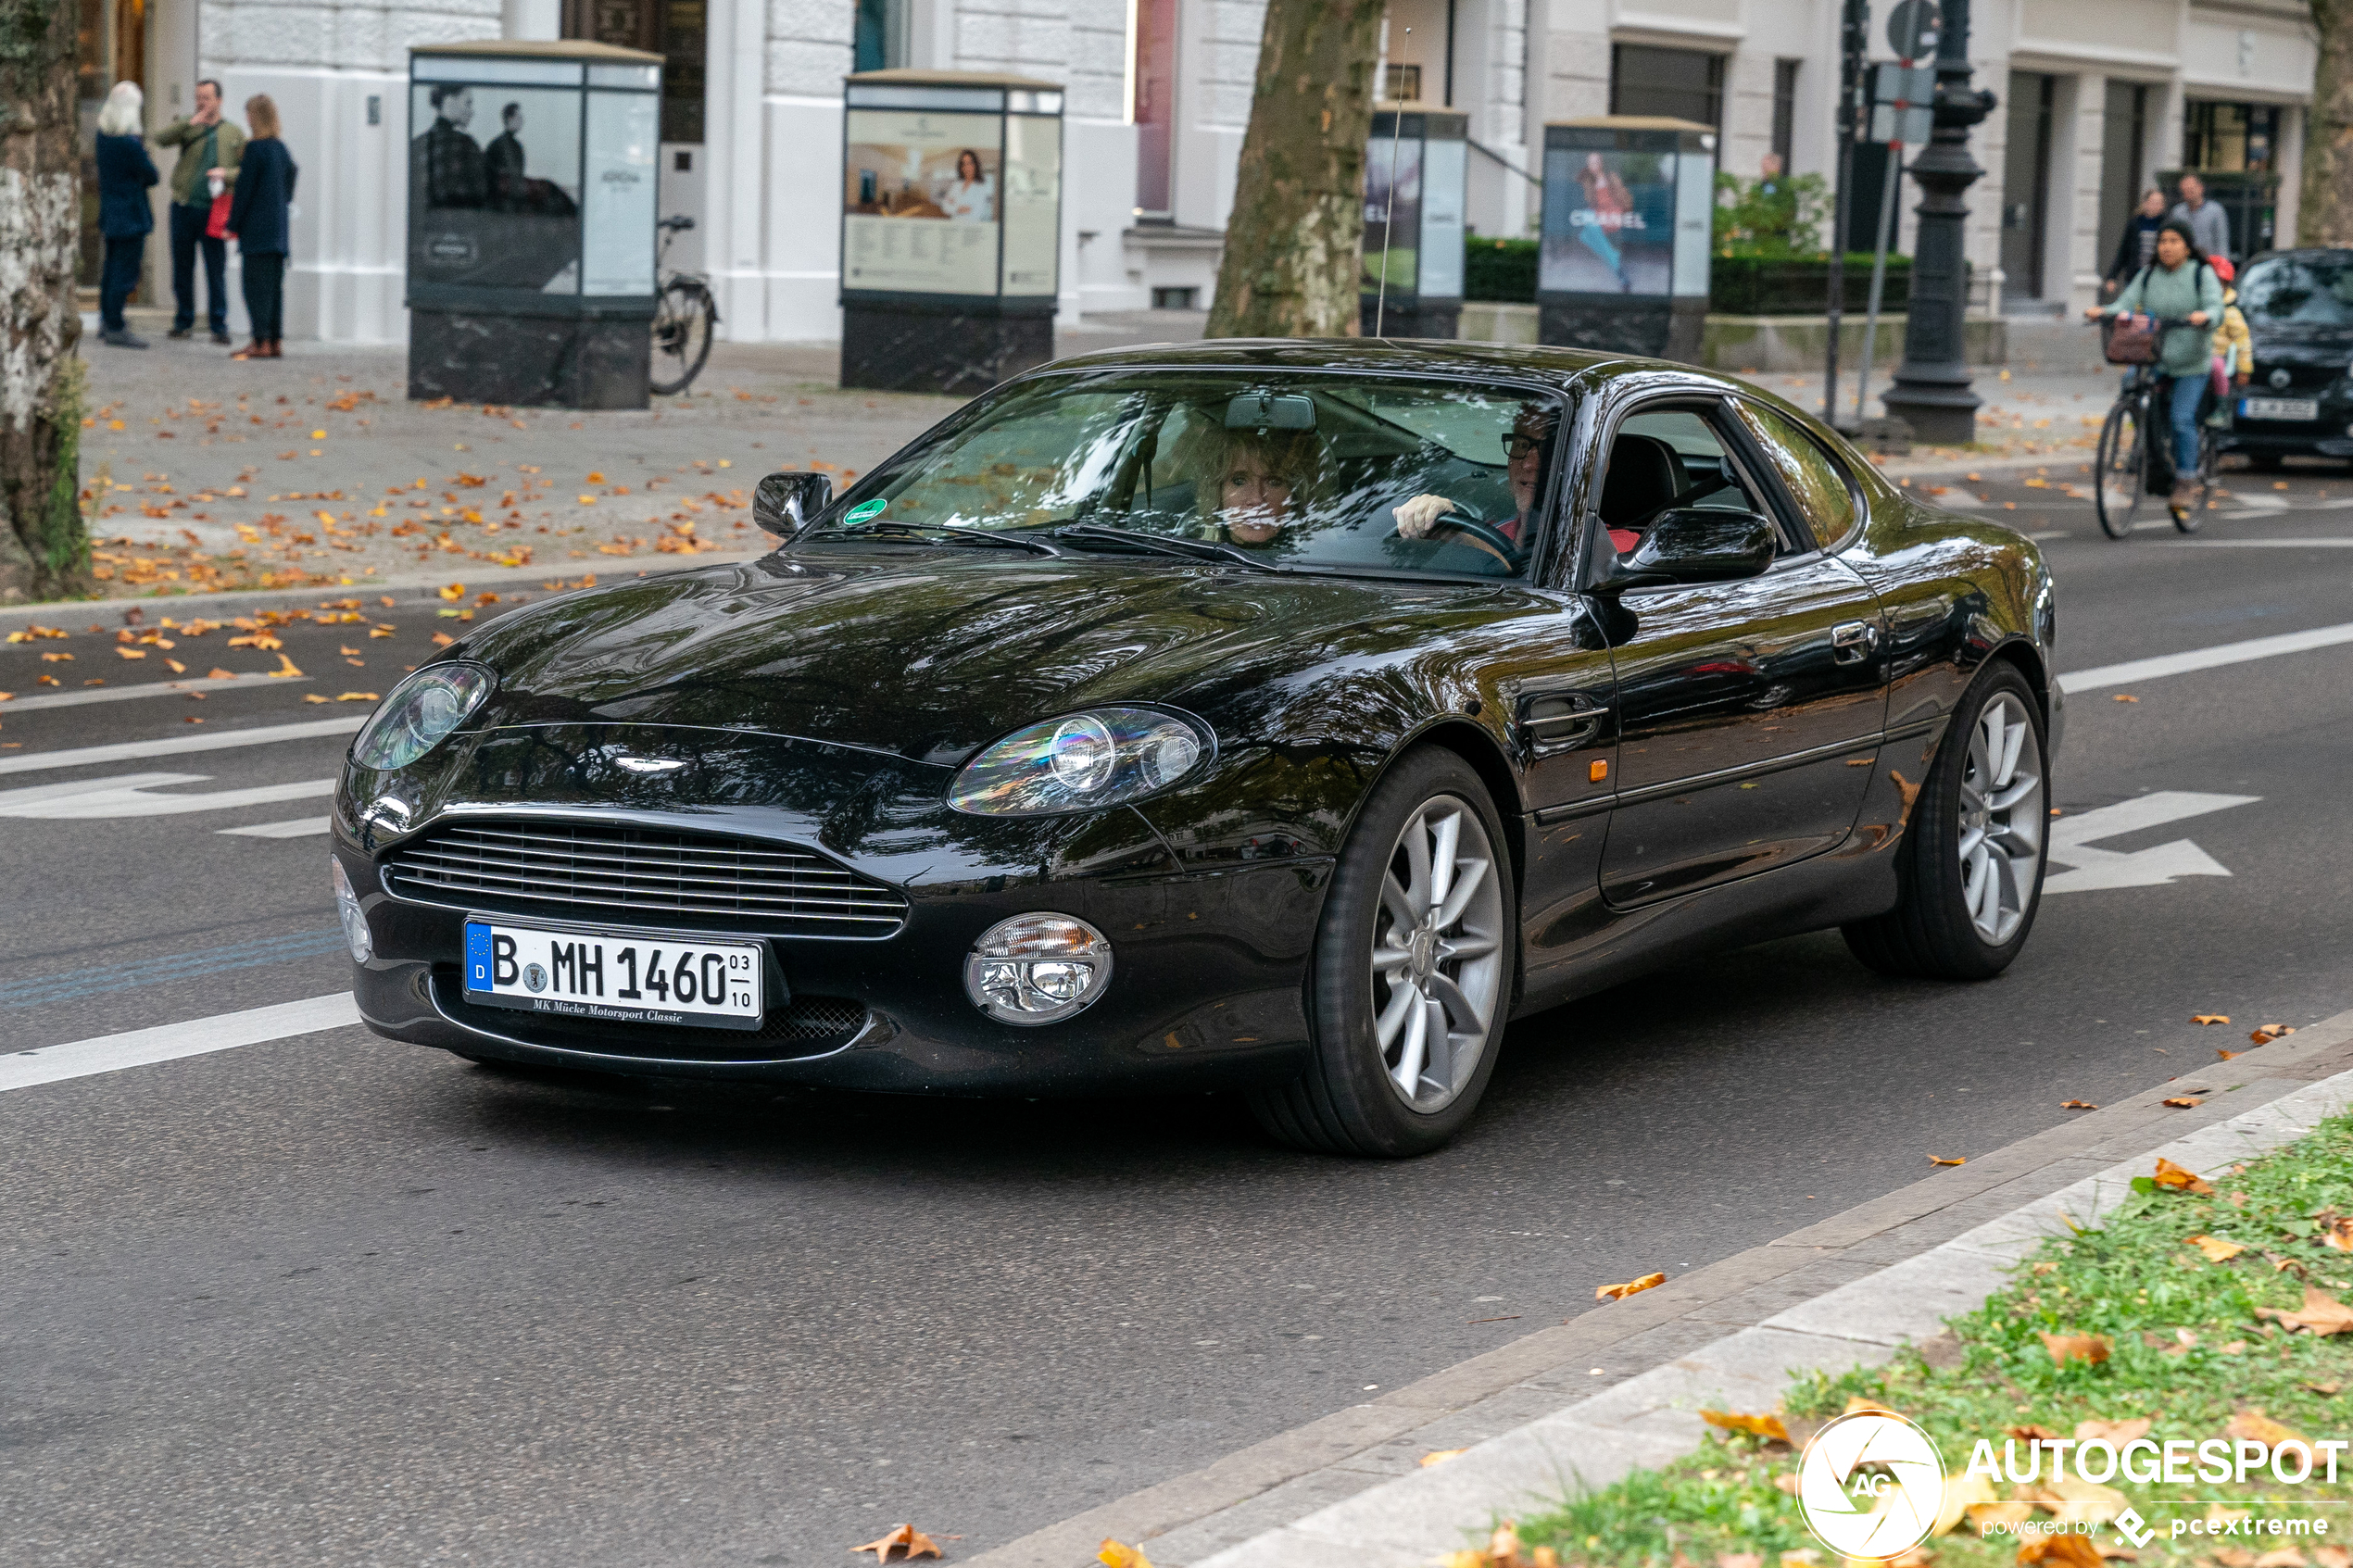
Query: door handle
{"points": [[1851, 641], [1553, 722]]}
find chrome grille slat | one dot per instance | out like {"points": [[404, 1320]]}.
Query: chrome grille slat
{"points": [[590, 871]]}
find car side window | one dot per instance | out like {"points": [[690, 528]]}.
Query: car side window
{"points": [[1825, 497], [1668, 457]]}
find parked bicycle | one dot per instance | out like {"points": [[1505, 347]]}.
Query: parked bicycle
{"points": [[2135, 454], [686, 314]]}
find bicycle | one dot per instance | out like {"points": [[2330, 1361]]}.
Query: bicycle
{"points": [[2136, 455], [685, 315]]}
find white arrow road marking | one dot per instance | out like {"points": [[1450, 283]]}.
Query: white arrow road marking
{"points": [[175, 746], [126, 795], [2097, 869], [300, 827], [111, 1053]]}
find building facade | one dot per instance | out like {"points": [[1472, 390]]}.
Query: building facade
{"points": [[2099, 97]]}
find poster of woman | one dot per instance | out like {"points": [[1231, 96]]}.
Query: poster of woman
{"points": [[1609, 223]]}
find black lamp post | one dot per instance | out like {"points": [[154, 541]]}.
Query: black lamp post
{"points": [[1931, 392]]}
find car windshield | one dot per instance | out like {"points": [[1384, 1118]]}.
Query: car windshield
{"points": [[2300, 291], [1285, 471]]}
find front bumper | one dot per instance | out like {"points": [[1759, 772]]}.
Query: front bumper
{"points": [[1207, 988]]}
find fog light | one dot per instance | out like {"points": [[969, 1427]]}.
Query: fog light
{"points": [[1037, 969], [355, 921]]}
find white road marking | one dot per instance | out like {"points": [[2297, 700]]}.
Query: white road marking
{"points": [[2049, 533], [141, 1048], [150, 688], [299, 827], [2261, 544], [126, 795], [2200, 659], [176, 746], [2098, 869]]}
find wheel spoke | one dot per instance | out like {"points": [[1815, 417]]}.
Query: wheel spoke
{"points": [[2013, 741], [1400, 903], [1417, 896], [1470, 876], [1466, 947], [1403, 999], [1972, 841], [1387, 959], [1463, 1012], [1438, 1065], [2020, 787], [1449, 834], [1408, 1070]]}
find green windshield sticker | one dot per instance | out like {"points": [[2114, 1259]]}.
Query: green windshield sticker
{"points": [[864, 511]]}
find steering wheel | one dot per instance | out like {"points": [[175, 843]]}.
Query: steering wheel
{"points": [[1484, 535]]}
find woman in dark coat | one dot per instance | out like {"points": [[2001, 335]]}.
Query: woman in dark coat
{"points": [[125, 175], [258, 220]]}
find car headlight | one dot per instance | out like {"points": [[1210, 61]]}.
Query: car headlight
{"points": [[420, 713], [1037, 969], [1103, 756]]}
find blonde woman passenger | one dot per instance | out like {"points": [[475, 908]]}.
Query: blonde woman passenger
{"points": [[1258, 485]]}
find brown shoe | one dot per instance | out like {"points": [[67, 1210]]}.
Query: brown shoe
{"points": [[256, 349], [277, 349]]}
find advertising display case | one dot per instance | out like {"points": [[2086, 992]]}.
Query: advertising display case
{"points": [[1629, 203], [1416, 165], [950, 228], [533, 187]]}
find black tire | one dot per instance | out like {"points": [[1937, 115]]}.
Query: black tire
{"points": [[1930, 933], [685, 315], [1345, 1101], [2116, 472]]}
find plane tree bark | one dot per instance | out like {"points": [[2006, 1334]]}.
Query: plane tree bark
{"points": [[1294, 246], [2324, 215], [43, 550]]}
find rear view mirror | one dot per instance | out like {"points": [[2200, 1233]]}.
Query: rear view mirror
{"points": [[1698, 545], [783, 504], [1264, 410]]}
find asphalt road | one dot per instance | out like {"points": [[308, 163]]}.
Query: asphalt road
{"points": [[334, 1300]]}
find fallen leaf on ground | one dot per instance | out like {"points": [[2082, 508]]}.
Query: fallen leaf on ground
{"points": [[1119, 1554], [1739, 1560], [1940, 1160], [286, 667], [2077, 1105], [2181, 1180], [2214, 1247], [904, 1538], [2210, 1018], [358, 696], [314, 696], [1767, 1425], [1620, 1292], [1983, 1514], [2061, 1548], [2185, 1102], [2332, 1556], [458, 591], [1440, 1456], [2280, 1557], [2228, 1056], [1960, 1492], [2031, 1433], [2117, 1432], [442, 639], [2122, 698], [2326, 1391], [2267, 1032], [2262, 1428], [2092, 1348], [130, 653], [1787, 1482], [217, 674], [2321, 1313]]}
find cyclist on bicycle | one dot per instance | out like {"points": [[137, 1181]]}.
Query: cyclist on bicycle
{"points": [[2178, 287]]}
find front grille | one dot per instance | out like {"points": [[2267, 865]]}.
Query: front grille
{"points": [[2303, 380], [803, 1027], [641, 876]]}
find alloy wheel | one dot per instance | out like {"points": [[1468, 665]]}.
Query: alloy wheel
{"points": [[2001, 837], [1436, 957]]}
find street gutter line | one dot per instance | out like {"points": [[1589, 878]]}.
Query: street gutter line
{"points": [[142, 1047], [175, 746], [2205, 659]]}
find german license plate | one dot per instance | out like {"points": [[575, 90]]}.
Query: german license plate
{"points": [[2300, 410], [614, 977]]}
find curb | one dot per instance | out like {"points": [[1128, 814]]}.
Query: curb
{"points": [[411, 587], [1348, 1490]]}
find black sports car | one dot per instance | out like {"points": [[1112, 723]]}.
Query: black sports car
{"points": [[1276, 714], [2298, 306]]}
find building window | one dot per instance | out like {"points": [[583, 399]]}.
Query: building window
{"points": [[1180, 298], [2229, 138], [672, 29], [1679, 84], [1785, 108], [880, 42], [1154, 109], [1403, 84]]}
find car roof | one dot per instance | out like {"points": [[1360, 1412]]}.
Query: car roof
{"points": [[1424, 355]]}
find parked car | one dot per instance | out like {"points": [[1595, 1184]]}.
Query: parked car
{"points": [[1274, 715], [2299, 308]]}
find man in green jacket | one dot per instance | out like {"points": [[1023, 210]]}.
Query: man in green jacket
{"points": [[208, 146]]}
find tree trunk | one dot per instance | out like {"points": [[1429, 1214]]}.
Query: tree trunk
{"points": [[1294, 247], [43, 550], [2325, 215]]}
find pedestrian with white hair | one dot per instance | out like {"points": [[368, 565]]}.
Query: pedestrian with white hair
{"points": [[125, 175]]}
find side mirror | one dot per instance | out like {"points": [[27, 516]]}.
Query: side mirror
{"points": [[783, 504], [1697, 545]]}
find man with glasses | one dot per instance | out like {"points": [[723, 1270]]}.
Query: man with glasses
{"points": [[1524, 450]]}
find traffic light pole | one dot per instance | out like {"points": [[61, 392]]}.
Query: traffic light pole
{"points": [[1931, 392]]}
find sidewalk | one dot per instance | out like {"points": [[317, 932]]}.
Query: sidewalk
{"points": [[1615, 1388]]}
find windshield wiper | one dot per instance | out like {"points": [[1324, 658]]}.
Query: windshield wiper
{"points": [[960, 530], [1167, 545]]}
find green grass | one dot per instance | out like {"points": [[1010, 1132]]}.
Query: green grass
{"points": [[2136, 1280]]}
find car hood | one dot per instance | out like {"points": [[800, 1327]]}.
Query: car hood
{"points": [[929, 654]]}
